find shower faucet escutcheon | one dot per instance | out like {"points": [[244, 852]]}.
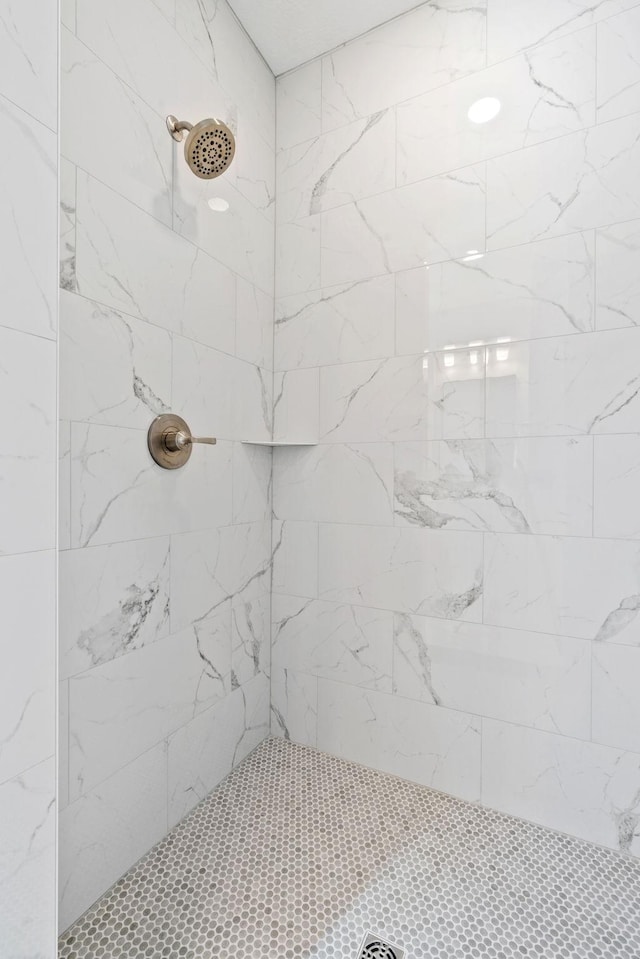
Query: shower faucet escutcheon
{"points": [[170, 441]]}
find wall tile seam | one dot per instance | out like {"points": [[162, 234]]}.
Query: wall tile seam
{"points": [[189, 52], [519, 55], [143, 430], [27, 769], [165, 739], [36, 336], [143, 539], [522, 52], [487, 252], [444, 709], [116, 309], [50, 131], [446, 174], [163, 329], [455, 622], [166, 225], [310, 141], [562, 36], [324, 598], [470, 715]]}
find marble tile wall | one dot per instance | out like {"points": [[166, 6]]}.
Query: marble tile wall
{"points": [[28, 335], [456, 596], [165, 305]]}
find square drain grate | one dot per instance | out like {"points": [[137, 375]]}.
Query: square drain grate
{"points": [[373, 947]]}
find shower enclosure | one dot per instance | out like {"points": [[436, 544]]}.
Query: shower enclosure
{"points": [[390, 307]]}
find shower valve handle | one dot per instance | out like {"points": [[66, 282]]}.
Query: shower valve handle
{"points": [[178, 441], [170, 441]]}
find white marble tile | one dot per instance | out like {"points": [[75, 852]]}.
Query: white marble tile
{"points": [[569, 586], [407, 56], [436, 219], [455, 386], [64, 485], [27, 485], [616, 476], [298, 256], [335, 483], [68, 14], [299, 105], [296, 401], [616, 706], [205, 750], [577, 182], [67, 186], [542, 94], [295, 558], [210, 567], [619, 65], [515, 26], [120, 709], [200, 22], [112, 599], [162, 71], [251, 397], [62, 795], [254, 325], [400, 398], [294, 706], [340, 324], [534, 485], [118, 251], [203, 381], [434, 572], [27, 877], [105, 832], [28, 281], [618, 275], [240, 238], [565, 386], [428, 744], [580, 788], [519, 677], [27, 679], [28, 58], [125, 363], [167, 8], [118, 493], [137, 163], [525, 292], [349, 644], [251, 483], [254, 168], [250, 637], [339, 167], [213, 33]]}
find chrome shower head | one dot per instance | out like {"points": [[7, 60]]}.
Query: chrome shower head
{"points": [[209, 148]]}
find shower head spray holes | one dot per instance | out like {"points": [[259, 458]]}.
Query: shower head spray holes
{"points": [[209, 148]]}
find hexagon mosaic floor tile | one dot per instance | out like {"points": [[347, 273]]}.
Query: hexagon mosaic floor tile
{"points": [[298, 854]]}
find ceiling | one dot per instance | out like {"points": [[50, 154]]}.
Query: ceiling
{"points": [[290, 32]]}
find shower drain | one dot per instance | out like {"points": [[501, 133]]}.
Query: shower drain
{"points": [[374, 947]]}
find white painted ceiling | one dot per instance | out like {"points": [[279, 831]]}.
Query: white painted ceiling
{"points": [[290, 32]]}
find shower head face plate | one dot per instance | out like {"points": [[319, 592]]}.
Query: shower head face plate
{"points": [[209, 148]]}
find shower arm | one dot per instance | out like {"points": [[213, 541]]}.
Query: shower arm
{"points": [[177, 128]]}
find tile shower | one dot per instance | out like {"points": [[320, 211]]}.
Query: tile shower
{"points": [[443, 585]]}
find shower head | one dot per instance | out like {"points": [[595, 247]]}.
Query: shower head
{"points": [[209, 148]]}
